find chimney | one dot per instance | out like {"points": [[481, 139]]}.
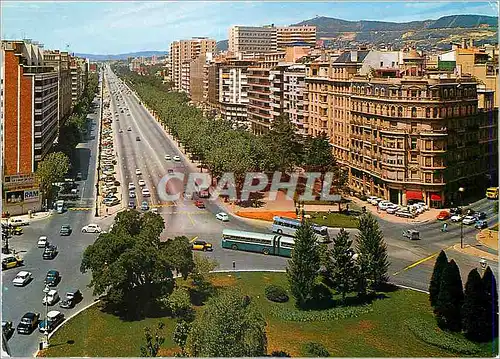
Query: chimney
{"points": [[471, 43], [354, 55]]}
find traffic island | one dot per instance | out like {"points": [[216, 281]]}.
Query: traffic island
{"points": [[375, 328]]}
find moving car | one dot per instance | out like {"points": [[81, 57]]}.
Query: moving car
{"points": [[145, 192], [11, 261], [50, 252], [73, 296], [54, 318], [202, 246], [17, 231], [51, 298], [468, 220], [167, 157], [28, 323], [91, 228], [7, 329], [142, 183], [52, 278], [383, 205], [443, 215], [481, 224], [65, 230], [22, 278], [456, 210], [177, 158], [199, 204], [79, 176], [18, 222], [137, 138], [411, 234], [129, 128], [138, 172], [480, 215], [221, 216]]}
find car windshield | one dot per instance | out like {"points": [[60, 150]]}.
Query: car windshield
{"points": [[26, 321]]}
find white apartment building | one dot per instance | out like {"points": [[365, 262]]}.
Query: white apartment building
{"points": [[294, 88], [252, 39]]}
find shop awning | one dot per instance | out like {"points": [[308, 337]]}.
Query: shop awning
{"points": [[435, 197], [414, 195]]}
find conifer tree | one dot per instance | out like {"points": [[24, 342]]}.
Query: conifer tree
{"points": [[439, 266], [450, 299], [474, 307], [341, 265], [491, 303]]}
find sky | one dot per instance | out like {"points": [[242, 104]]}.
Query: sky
{"points": [[119, 27]]}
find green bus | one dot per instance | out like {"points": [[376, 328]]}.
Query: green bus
{"points": [[257, 242]]}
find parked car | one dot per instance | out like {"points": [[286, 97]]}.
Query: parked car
{"points": [[17, 231], [167, 157], [142, 183], [131, 203], [18, 222], [73, 296], [392, 209], [480, 215], [371, 198], [28, 323], [144, 206], [221, 216], [383, 205], [22, 278], [91, 228], [50, 252], [404, 214], [177, 158], [199, 204], [443, 215], [65, 230], [131, 194], [145, 192], [7, 329], [138, 172], [137, 138], [481, 224], [131, 186], [52, 278], [10, 261], [456, 210], [468, 220], [456, 218], [202, 246], [78, 176], [51, 297], [54, 318]]}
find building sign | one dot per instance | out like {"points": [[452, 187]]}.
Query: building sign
{"points": [[14, 197], [31, 195], [19, 180]]}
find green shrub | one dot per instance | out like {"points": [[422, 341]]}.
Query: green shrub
{"points": [[275, 293], [313, 349], [280, 354], [296, 315], [431, 334]]}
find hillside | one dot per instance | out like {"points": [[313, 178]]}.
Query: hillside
{"points": [[426, 34], [99, 57]]}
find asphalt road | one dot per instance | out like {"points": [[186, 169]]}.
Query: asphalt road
{"points": [[181, 218], [16, 301]]}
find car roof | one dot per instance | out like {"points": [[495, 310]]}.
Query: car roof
{"points": [[42, 237], [53, 271], [52, 291], [23, 272], [72, 290], [53, 313], [29, 315]]}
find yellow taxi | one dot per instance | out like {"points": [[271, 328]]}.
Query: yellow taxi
{"points": [[11, 261], [202, 246]]}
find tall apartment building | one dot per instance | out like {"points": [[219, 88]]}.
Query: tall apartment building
{"points": [[79, 74], [187, 50], [252, 39], [185, 76], [59, 60], [294, 88], [403, 134], [197, 78], [288, 36], [30, 100]]}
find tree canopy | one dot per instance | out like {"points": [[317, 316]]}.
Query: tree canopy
{"points": [[52, 169]]}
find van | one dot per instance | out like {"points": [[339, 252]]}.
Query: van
{"points": [[60, 206]]}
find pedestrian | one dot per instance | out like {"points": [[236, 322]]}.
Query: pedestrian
{"points": [[378, 209]]}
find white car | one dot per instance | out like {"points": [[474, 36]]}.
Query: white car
{"points": [[51, 298], [131, 194], [468, 220], [370, 199], [142, 183], [167, 157], [221, 216], [131, 186], [22, 278], [138, 172], [456, 218], [392, 209], [91, 228], [145, 192], [383, 205], [19, 222], [375, 201], [154, 210], [43, 241], [177, 158]]}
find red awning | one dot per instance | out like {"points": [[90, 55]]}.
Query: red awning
{"points": [[435, 197], [414, 195]]}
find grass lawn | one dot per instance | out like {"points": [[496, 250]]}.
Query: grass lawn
{"points": [[383, 332], [336, 220]]}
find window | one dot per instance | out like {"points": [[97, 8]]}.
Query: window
{"points": [[413, 143], [413, 112], [427, 112], [428, 161], [414, 175], [400, 111], [428, 178], [413, 157]]}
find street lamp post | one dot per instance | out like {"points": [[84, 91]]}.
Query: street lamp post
{"points": [[46, 291], [461, 190]]}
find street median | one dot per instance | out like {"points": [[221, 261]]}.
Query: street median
{"points": [[265, 215]]}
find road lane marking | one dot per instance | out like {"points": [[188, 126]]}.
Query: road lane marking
{"points": [[191, 219], [420, 261], [193, 239]]}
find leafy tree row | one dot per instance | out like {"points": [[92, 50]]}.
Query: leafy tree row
{"points": [[221, 146], [473, 310]]}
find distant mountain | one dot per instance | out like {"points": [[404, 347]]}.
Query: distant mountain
{"points": [[426, 34], [222, 45], [97, 57]]}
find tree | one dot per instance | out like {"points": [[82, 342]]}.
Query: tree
{"points": [[341, 265], [439, 266], [230, 326], [474, 308], [181, 334], [450, 299], [318, 155], [130, 264], [153, 343], [200, 276], [52, 169], [180, 255], [491, 303], [179, 304], [372, 251], [304, 266], [283, 144]]}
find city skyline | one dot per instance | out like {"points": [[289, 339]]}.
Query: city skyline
{"points": [[123, 27]]}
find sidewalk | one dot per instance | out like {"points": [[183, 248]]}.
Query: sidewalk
{"points": [[36, 216]]}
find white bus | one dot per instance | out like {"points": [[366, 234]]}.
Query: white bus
{"points": [[289, 226]]}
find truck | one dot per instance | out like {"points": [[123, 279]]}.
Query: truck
{"points": [[60, 206]]}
